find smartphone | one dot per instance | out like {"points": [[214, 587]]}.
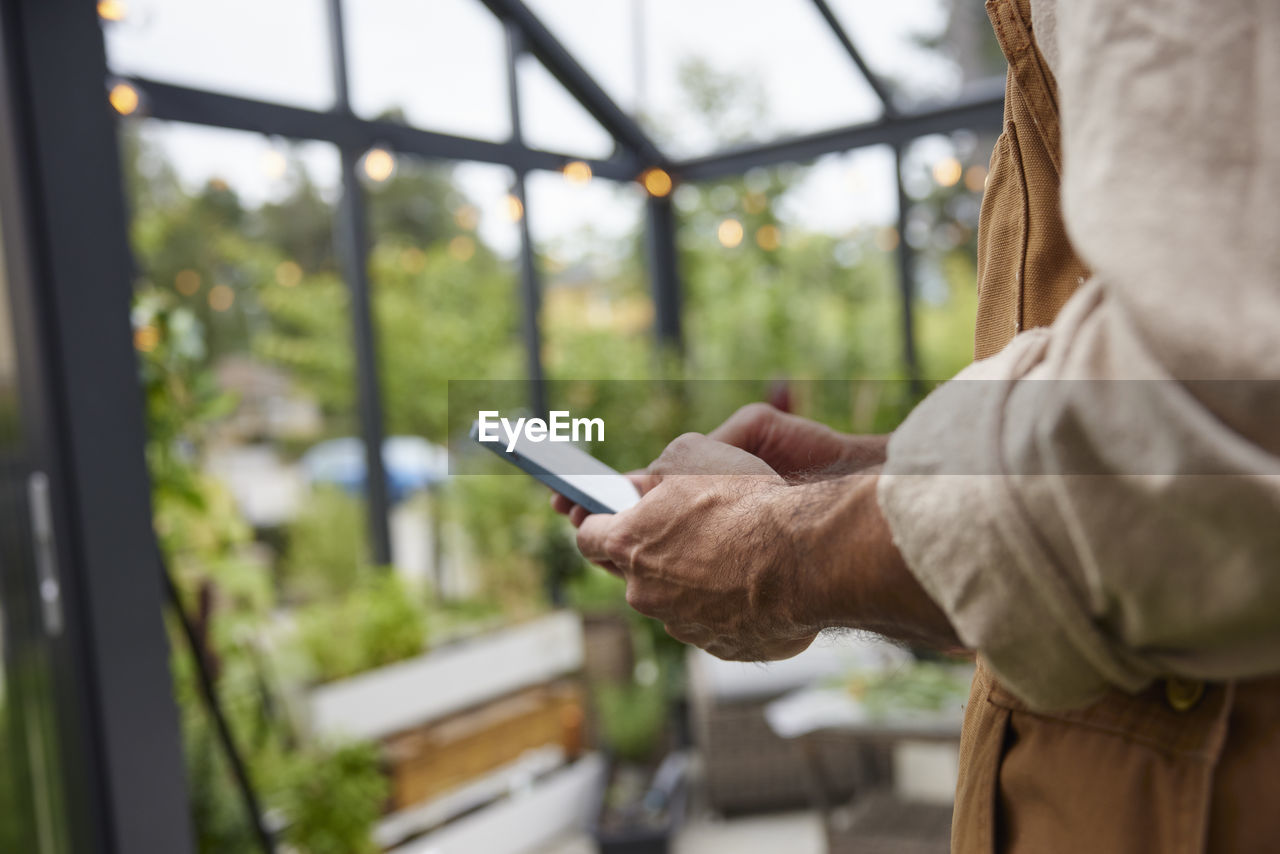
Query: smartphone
{"points": [[570, 471]]}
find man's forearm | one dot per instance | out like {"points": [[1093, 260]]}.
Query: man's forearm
{"points": [[850, 574]]}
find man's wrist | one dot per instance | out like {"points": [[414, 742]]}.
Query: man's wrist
{"points": [[847, 571]]}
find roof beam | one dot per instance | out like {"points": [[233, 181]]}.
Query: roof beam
{"points": [[983, 108], [196, 106], [873, 79], [541, 43]]}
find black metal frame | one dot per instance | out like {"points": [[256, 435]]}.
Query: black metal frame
{"points": [[83, 412]]}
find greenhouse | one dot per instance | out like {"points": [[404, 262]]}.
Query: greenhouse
{"points": [[259, 260]]}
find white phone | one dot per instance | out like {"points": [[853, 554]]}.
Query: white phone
{"points": [[570, 471]]}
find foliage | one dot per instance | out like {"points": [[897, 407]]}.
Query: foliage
{"points": [[325, 553], [632, 718], [229, 597], [374, 624], [506, 519], [922, 686], [332, 798]]}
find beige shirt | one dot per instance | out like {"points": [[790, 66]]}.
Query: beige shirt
{"points": [[1099, 504]]}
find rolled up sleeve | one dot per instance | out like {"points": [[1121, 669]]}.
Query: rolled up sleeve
{"points": [[1097, 504]]}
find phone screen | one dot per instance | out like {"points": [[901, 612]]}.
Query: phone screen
{"points": [[570, 471]]}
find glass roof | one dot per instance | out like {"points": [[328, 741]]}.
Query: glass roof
{"points": [[552, 119], [442, 64], [924, 50], [702, 74], [274, 51]]}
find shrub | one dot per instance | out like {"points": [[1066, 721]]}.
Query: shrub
{"points": [[375, 624]]}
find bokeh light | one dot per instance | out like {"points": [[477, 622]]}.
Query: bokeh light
{"points": [[124, 99], [467, 217], [379, 164], [187, 282], [656, 182], [514, 207], [274, 165], [768, 237], [462, 247], [729, 233], [947, 172], [887, 239], [112, 10], [975, 178], [577, 172], [221, 297], [413, 260], [288, 274], [145, 338]]}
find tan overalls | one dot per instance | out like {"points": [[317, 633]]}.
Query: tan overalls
{"points": [[1182, 767]]}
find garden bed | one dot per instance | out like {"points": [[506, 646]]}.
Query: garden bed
{"points": [[401, 696]]}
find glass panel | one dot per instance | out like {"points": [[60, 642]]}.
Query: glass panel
{"points": [[447, 306], [791, 277], [440, 65], [944, 177], [276, 51], [603, 38], [552, 119], [682, 66], [32, 809], [242, 327], [925, 49], [597, 312]]}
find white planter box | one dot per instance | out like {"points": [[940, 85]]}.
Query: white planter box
{"points": [[410, 693], [525, 821]]}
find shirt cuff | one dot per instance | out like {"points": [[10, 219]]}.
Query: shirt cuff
{"points": [[955, 518]]}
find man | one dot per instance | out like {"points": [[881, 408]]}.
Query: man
{"points": [[1094, 505]]}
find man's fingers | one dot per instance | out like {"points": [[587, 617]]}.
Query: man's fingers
{"points": [[593, 535], [643, 480], [560, 504], [693, 453], [747, 428], [577, 514]]}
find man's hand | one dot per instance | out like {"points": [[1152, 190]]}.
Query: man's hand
{"points": [[733, 559], [704, 552], [797, 448], [800, 450]]}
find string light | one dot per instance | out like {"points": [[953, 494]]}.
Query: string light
{"points": [[729, 233], [467, 217], [187, 282], [112, 10], [975, 179], [577, 172], [947, 172], [462, 247], [221, 297], [656, 182], [413, 260], [288, 274], [145, 338], [124, 99], [887, 239], [274, 164], [379, 164], [515, 207], [768, 237]]}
